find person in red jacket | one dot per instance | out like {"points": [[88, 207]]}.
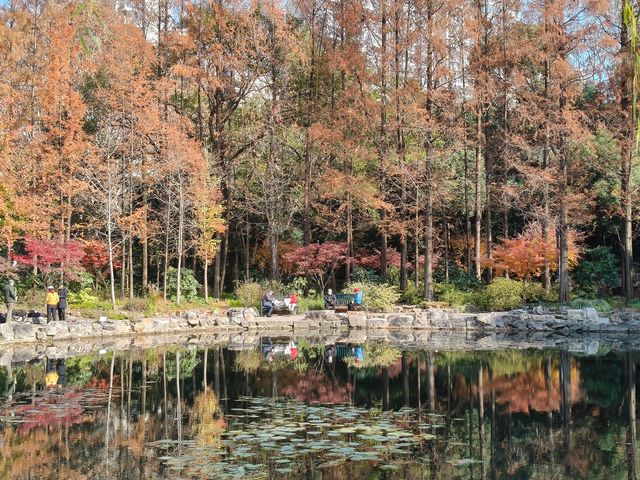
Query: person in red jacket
{"points": [[293, 302]]}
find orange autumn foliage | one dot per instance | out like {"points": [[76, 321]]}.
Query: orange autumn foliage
{"points": [[524, 256]]}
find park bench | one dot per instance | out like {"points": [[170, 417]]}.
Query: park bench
{"points": [[344, 301], [279, 307]]}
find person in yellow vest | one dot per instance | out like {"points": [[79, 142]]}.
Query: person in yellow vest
{"points": [[52, 304]]}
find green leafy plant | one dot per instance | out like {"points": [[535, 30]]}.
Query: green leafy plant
{"points": [[311, 302], [600, 304], [453, 296], [534, 292], [189, 286], [501, 294], [364, 275], [598, 272], [249, 293], [84, 299], [376, 296]]}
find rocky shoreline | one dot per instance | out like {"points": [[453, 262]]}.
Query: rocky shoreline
{"points": [[537, 320], [579, 331]]}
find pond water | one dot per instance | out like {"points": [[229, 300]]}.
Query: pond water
{"points": [[293, 409]]}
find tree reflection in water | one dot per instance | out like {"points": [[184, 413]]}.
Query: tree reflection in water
{"points": [[509, 414]]}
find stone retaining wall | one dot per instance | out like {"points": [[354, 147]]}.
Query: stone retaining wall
{"points": [[569, 321]]}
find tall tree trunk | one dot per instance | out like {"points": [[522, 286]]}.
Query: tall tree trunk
{"points": [[418, 228], [400, 146], [165, 284], [145, 234], [123, 271], [546, 219], [478, 195], [216, 272], [479, 143], [488, 225], [112, 278], [563, 233], [446, 251], [429, 164], [347, 270], [206, 279], [428, 230], [273, 255], [383, 134], [180, 239], [626, 152], [306, 214], [223, 261], [467, 216], [131, 289]]}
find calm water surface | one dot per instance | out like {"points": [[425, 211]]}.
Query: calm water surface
{"points": [[301, 410]]}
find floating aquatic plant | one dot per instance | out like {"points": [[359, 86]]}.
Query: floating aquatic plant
{"points": [[280, 437]]}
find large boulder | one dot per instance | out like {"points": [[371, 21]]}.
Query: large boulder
{"points": [[591, 315], [421, 320], [57, 329], [576, 314], [321, 315], [440, 319], [357, 320], [400, 321], [377, 322], [6, 331], [24, 331]]}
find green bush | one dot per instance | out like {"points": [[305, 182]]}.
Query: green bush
{"points": [[453, 296], [364, 275], [501, 294], [459, 278], [135, 305], [84, 299], [600, 304], [375, 296], [249, 293], [634, 303], [598, 272], [235, 303], [310, 303], [298, 285], [279, 288], [189, 286], [535, 293], [413, 295]]}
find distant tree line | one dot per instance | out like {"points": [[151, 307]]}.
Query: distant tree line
{"points": [[220, 135]]}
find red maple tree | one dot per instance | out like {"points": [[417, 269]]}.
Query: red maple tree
{"points": [[50, 257], [318, 260]]}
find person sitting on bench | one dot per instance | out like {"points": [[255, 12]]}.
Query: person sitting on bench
{"points": [[291, 302], [357, 297], [330, 300], [266, 305]]}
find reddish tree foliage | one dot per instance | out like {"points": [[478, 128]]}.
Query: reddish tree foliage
{"points": [[96, 259], [524, 256], [318, 260], [372, 261], [53, 257]]}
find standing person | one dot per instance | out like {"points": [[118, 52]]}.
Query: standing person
{"points": [[330, 300], [52, 304], [62, 304], [267, 303], [10, 299]]}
